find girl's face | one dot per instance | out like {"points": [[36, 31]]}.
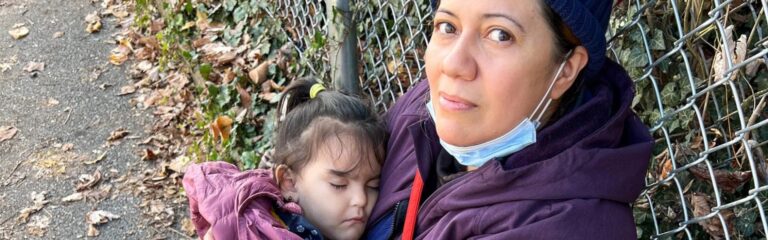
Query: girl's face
{"points": [[337, 190], [488, 64]]}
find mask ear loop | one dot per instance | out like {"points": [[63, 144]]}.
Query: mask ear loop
{"points": [[539, 114]]}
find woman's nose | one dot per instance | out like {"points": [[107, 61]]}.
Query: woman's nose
{"points": [[458, 61]]}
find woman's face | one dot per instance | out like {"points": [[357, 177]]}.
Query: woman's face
{"points": [[488, 64]]}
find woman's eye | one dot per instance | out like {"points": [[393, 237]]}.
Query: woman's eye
{"points": [[445, 28], [338, 186], [499, 35]]}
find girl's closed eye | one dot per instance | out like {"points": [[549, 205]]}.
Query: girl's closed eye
{"points": [[373, 185], [338, 186]]}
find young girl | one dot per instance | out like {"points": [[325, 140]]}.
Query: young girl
{"points": [[328, 153]]}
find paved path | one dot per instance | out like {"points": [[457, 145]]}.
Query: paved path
{"points": [[65, 104]]}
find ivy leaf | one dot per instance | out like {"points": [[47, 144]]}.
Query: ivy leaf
{"points": [[637, 57], [318, 41], [229, 5], [240, 13], [224, 97], [205, 70], [250, 160], [670, 95], [657, 41]]}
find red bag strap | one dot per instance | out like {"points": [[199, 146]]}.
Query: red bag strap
{"points": [[413, 207]]}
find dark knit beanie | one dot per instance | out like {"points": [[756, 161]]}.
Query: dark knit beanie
{"points": [[588, 20]]}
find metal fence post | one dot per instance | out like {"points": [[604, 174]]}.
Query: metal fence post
{"points": [[342, 47]]}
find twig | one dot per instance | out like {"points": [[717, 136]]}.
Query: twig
{"points": [[180, 233], [10, 174], [752, 119], [6, 219], [69, 113]]}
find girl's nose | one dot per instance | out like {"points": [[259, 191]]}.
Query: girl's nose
{"points": [[359, 198]]}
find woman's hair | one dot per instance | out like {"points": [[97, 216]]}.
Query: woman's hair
{"points": [[305, 124], [565, 41]]}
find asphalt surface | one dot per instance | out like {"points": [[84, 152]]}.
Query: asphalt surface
{"points": [[88, 110]]}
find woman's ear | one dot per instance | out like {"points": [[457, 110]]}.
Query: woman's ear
{"points": [[286, 181], [573, 66]]}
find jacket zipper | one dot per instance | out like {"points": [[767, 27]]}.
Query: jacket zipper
{"points": [[394, 220]]}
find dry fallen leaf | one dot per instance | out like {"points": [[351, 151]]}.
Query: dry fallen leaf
{"points": [[88, 180], [119, 55], [727, 181], [94, 22], [5, 67], [245, 97], [148, 155], [259, 74], [221, 128], [38, 225], [713, 226], [34, 66], [19, 31], [180, 164], [188, 227], [52, 102], [118, 134], [98, 159], [127, 89], [740, 54], [99, 217], [92, 231], [178, 80], [38, 199], [7, 132], [226, 58], [67, 147], [666, 168], [73, 197]]}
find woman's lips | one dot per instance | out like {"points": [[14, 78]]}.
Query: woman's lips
{"points": [[453, 103]]}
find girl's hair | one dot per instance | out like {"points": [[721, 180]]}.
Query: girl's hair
{"points": [[304, 124]]}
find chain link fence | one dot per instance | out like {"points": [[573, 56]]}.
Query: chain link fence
{"points": [[701, 82]]}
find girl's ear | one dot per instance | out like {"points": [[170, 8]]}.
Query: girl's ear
{"points": [[286, 181]]}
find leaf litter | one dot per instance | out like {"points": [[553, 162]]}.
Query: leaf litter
{"points": [[7, 132], [98, 217], [18, 31]]}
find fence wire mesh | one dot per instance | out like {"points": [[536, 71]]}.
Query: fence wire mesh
{"points": [[701, 82]]}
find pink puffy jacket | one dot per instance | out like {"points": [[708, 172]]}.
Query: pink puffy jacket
{"points": [[234, 204]]}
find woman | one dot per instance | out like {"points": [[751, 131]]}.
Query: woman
{"points": [[523, 129]]}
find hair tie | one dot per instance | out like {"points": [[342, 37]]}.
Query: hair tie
{"points": [[316, 89]]}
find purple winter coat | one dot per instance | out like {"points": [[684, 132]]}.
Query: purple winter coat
{"points": [[234, 204], [576, 182]]}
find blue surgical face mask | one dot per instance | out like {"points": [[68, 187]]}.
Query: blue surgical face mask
{"points": [[523, 135]]}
